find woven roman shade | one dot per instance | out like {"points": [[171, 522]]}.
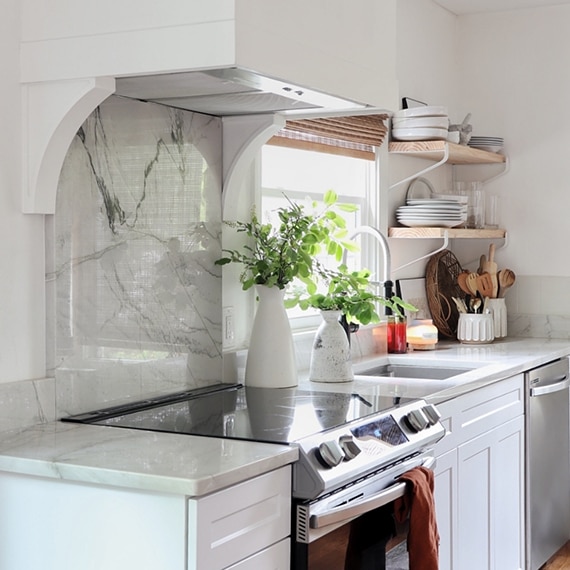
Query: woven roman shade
{"points": [[355, 136]]}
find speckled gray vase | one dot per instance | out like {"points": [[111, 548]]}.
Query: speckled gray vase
{"points": [[330, 357]]}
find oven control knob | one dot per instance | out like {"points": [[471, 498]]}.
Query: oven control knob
{"points": [[432, 414], [330, 453], [416, 420], [349, 446]]}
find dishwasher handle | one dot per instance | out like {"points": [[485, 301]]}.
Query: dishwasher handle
{"points": [[560, 383]]}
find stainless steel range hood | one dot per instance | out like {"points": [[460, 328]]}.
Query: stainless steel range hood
{"points": [[227, 92]]}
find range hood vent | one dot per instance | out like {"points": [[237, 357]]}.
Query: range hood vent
{"points": [[227, 92]]}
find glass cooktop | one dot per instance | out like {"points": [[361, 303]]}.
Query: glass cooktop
{"points": [[273, 415]]}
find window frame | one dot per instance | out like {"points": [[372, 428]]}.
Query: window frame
{"points": [[371, 207]]}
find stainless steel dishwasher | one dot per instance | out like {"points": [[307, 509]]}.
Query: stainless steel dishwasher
{"points": [[547, 461]]}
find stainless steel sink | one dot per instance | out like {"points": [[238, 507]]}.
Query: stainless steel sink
{"points": [[411, 371]]}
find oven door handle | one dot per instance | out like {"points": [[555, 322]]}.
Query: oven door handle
{"points": [[356, 509]]}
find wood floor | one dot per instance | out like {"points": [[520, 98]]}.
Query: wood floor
{"points": [[560, 561]]}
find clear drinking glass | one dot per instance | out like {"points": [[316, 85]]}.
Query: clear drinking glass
{"points": [[475, 203], [492, 212]]}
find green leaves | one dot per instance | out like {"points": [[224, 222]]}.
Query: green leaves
{"points": [[276, 256]]}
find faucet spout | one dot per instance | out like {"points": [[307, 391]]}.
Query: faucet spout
{"points": [[386, 261], [379, 236]]}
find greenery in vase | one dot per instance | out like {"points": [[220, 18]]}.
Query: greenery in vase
{"points": [[277, 255], [346, 291]]}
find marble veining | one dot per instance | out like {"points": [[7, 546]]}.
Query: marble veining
{"points": [[137, 459], [137, 297]]}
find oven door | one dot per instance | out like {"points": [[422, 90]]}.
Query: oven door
{"points": [[324, 528]]}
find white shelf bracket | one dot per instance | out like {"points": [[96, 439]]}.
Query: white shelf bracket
{"points": [[441, 248], [425, 170]]}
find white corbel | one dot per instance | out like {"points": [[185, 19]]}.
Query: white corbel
{"points": [[243, 137], [52, 112]]}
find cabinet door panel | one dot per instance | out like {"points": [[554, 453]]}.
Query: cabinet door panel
{"points": [[446, 506], [474, 510], [507, 522], [491, 499]]}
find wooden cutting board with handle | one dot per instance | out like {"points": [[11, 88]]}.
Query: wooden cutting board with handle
{"points": [[490, 267]]}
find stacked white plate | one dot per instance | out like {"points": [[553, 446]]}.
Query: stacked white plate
{"points": [[420, 124], [491, 144], [419, 213]]}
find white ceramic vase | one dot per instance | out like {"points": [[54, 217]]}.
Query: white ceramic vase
{"points": [[330, 357], [271, 356], [498, 309]]}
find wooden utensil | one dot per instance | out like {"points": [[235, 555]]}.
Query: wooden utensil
{"points": [[485, 284], [506, 279], [490, 267], [482, 261], [462, 282], [472, 283]]}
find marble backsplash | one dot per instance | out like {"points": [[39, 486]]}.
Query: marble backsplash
{"points": [[29, 402], [134, 294]]}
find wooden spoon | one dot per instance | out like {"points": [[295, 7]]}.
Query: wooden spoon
{"points": [[506, 279], [472, 283], [462, 282], [491, 268], [485, 284], [482, 261]]}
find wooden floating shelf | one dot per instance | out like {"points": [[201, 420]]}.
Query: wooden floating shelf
{"points": [[452, 233], [435, 150]]}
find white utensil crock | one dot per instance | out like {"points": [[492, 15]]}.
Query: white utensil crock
{"points": [[474, 328], [499, 311]]}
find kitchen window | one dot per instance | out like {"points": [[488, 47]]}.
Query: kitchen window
{"points": [[304, 176]]}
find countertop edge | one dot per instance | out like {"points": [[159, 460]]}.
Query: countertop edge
{"points": [[148, 461]]}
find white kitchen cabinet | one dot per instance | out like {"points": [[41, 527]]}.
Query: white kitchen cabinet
{"points": [[236, 523], [54, 524], [479, 489]]}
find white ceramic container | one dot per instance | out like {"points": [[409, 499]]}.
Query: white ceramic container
{"points": [[475, 328], [498, 309]]}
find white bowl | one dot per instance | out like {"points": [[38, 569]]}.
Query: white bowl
{"points": [[419, 134], [420, 122], [424, 111]]}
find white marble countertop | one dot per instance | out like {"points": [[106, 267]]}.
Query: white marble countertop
{"points": [[483, 364], [137, 459], [196, 466]]}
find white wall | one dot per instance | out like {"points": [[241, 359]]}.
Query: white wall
{"points": [[427, 67], [515, 80], [22, 314], [508, 69]]}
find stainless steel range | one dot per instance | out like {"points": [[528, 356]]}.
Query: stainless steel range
{"points": [[353, 446]]}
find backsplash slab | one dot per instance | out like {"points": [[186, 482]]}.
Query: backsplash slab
{"points": [[136, 295]]}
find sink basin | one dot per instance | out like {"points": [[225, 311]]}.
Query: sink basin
{"points": [[410, 371]]}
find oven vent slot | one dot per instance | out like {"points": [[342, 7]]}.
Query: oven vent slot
{"points": [[302, 523]]}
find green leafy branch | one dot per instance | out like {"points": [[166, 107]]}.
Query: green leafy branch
{"points": [[277, 255]]}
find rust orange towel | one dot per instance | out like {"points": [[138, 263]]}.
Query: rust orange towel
{"points": [[418, 504]]}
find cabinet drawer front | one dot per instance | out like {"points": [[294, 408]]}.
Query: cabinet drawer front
{"points": [[232, 524], [276, 557], [479, 411]]}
